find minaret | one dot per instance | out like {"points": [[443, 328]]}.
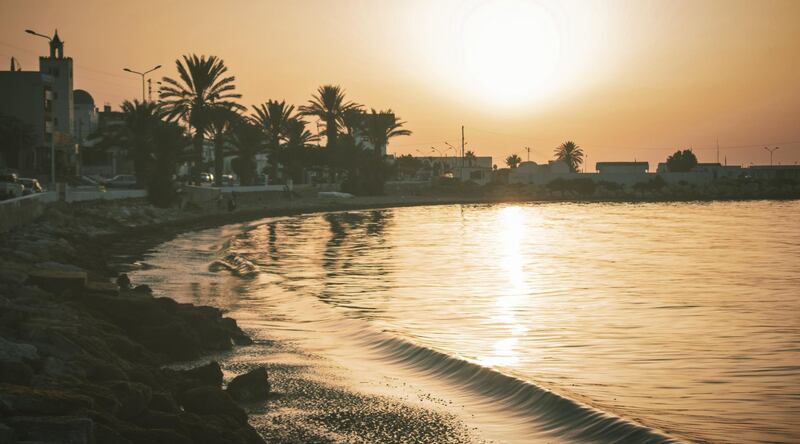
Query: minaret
{"points": [[60, 68]]}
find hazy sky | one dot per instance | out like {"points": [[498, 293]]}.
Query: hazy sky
{"points": [[625, 80]]}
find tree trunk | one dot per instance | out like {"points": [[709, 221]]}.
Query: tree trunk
{"points": [[219, 161], [197, 142], [330, 133]]}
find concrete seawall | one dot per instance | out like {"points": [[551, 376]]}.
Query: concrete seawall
{"points": [[23, 210]]}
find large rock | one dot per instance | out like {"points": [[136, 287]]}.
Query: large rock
{"points": [[209, 374], [15, 351], [19, 400], [15, 372], [53, 429], [7, 434], [251, 386], [133, 397], [56, 277], [209, 400]]}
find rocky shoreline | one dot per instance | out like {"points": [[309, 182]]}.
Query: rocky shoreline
{"points": [[82, 359], [83, 354]]}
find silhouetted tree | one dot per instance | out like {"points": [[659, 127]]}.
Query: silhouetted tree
{"points": [[297, 152], [681, 161], [202, 85], [570, 154], [408, 165], [329, 105], [134, 134], [273, 118], [382, 126], [219, 128], [248, 140], [513, 161], [470, 157], [167, 143]]}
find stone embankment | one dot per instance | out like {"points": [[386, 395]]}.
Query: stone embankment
{"points": [[83, 354]]}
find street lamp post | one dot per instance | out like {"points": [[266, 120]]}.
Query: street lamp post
{"points": [[142, 74], [771, 150]]}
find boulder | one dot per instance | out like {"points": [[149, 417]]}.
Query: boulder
{"points": [[57, 278], [209, 374], [7, 434], [52, 429], [15, 351], [209, 400], [163, 402], [133, 397], [251, 386], [20, 400], [12, 372]]}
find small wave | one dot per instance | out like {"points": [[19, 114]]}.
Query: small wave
{"points": [[548, 411], [236, 264]]}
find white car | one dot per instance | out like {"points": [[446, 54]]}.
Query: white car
{"points": [[10, 186], [121, 181]]}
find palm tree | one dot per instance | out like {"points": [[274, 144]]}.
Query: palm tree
{"points": [[382, 126], [298, 142], [352, 120], [273, 119], [513, 161], [220, 121], [248, 140], [570, 154], [134, 134], [169, 139], [329, 105], [202, 86], [470, 157]]}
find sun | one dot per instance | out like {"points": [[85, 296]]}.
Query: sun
{"points": [[509, 50]]}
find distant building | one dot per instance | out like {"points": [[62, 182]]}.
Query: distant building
{"points": [[774, 172], [622, 167], [44, 101], [60, 68], [28, 96], [85, 115], [715, 169], [534, 173], [477, 169]]}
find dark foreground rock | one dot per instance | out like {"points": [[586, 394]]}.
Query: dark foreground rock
{"points": [[82, 360], [251, 386]]}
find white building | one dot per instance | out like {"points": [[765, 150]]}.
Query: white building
{"points": [[534, 173], [477, 169], [622, 167]]}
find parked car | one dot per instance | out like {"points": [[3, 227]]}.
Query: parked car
{"points": [[32, 186], [228, 180], [121, 181], [206, 178], [10, 186]]}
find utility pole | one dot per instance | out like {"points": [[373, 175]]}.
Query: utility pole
{"points": [[771, 150], [528, 149]]}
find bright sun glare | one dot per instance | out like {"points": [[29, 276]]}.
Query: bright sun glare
{"points": [[509, 50]]}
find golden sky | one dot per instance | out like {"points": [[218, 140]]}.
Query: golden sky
{"points": [[625, 80]]}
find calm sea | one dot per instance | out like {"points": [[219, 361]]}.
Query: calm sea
{"points": [[678, 317]]}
